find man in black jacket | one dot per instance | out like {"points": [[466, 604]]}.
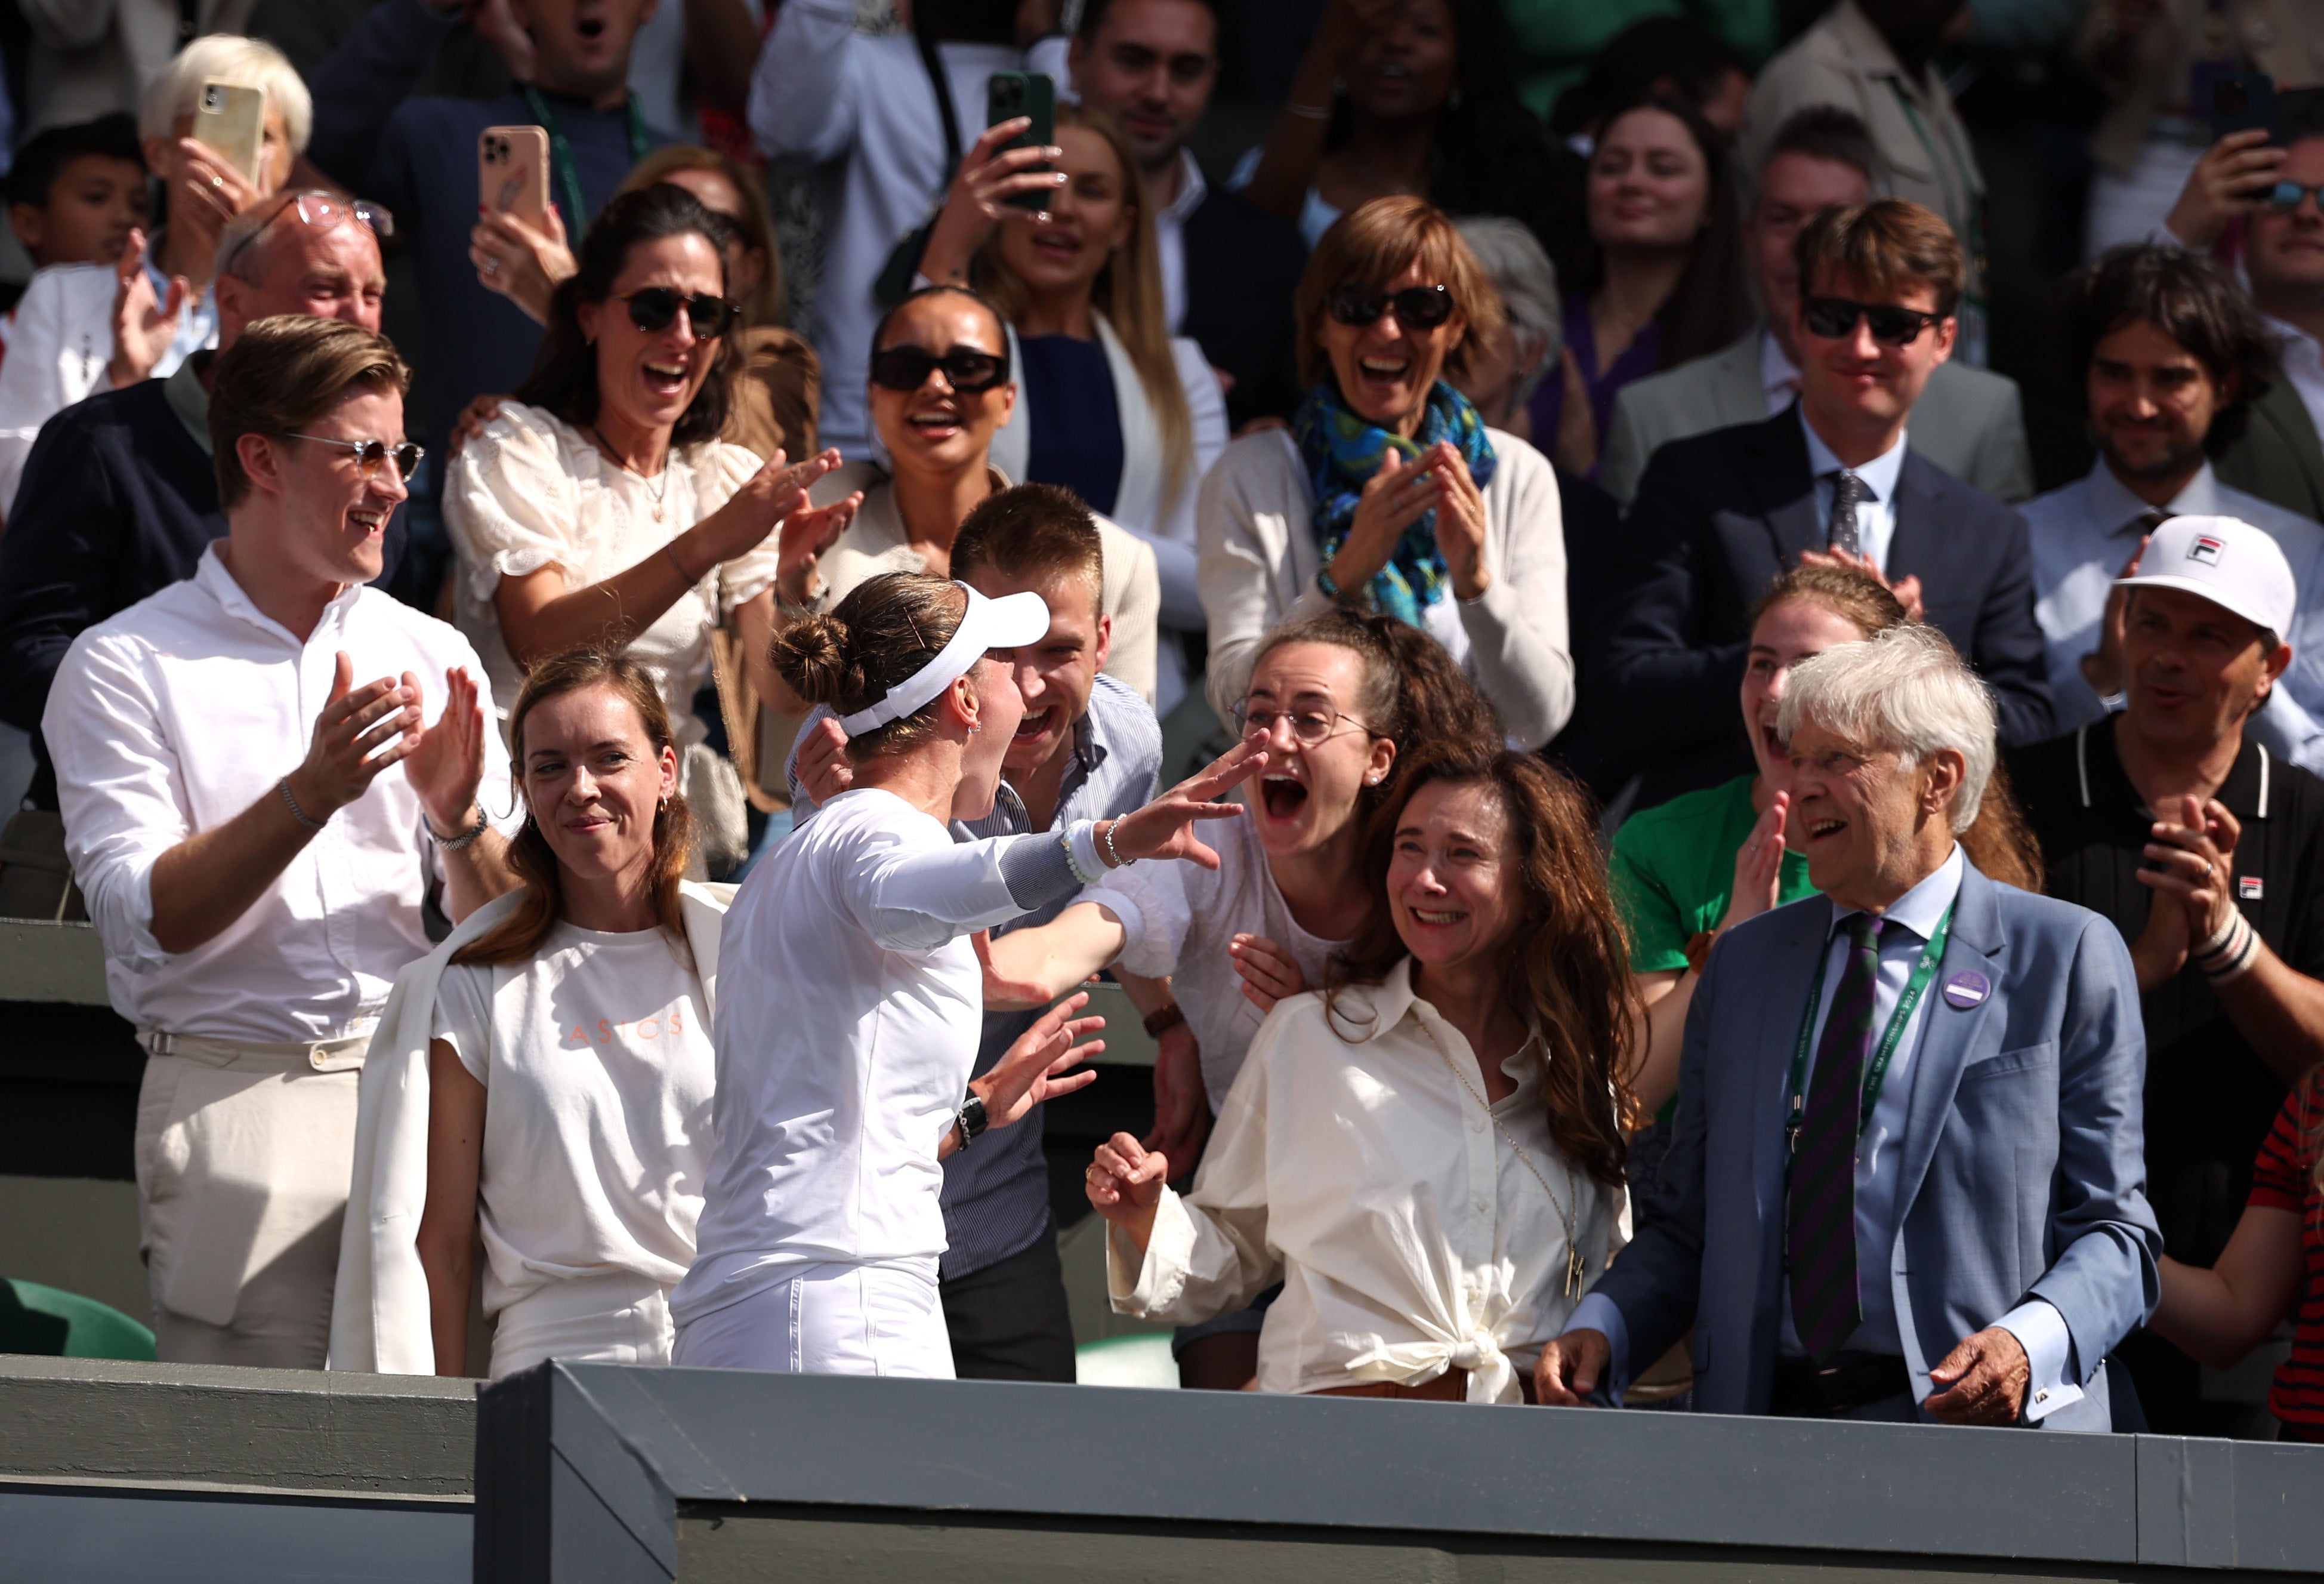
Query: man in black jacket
{"points": [[1228, 269], [1721, 515], [119, 497]]}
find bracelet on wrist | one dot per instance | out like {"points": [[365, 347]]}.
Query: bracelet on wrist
{"points": [[1095, 870], [297, 813], [1112, 856], [1331, 590], [1163, 1019], [669, 549], [452, 844]]}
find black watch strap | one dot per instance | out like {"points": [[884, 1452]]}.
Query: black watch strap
{"points": [[971, 1118]]}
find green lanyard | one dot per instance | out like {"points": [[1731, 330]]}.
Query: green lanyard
{"points": [[1876, 1073], [561, 155]]}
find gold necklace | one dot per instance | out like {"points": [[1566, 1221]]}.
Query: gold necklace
{"points": [[651, 494], [1576, 1268]]}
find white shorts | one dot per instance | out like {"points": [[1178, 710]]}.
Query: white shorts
{"points": [[617, 1318], [828, 1319]]}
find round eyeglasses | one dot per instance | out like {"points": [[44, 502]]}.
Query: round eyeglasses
{"points": [[371, 455]]}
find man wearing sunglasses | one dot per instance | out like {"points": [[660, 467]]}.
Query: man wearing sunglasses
{"points": [[1832, 478], [2276, 191], [120, 492]]}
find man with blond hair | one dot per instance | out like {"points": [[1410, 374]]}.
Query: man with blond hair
{"points": [[256, 832], [1906, 1179]]}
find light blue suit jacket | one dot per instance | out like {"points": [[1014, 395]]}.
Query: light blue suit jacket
{"points": [[2023, 1159]]}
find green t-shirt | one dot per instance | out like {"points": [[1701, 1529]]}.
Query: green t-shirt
{"points": [[1673, 868]]}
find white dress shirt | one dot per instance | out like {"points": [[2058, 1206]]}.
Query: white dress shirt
{"points": [[2083, 533], [1170, 238], [1910, 922], [59, 351], [175, 716], [1357, 1160], [1876, 514], [2303, 366], [1779, 377]]}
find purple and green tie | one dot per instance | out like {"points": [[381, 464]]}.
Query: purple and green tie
{"points": [[1821, 1240]]}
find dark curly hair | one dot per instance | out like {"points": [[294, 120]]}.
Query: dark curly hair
{"points": [[564, 378], [2190, 298]]}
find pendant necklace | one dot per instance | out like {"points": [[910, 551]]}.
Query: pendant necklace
{"points": [[656, 496]]}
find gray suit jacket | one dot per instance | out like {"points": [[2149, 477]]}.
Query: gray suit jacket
{"points": [[2024, 1156], [1968, 421]]}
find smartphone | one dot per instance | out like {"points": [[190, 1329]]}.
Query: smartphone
{"points": [[512, 173], [230, 121], [2243, 101], [1011, 94]]}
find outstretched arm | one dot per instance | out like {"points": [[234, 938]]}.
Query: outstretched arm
{"points": [[1033, 966]]}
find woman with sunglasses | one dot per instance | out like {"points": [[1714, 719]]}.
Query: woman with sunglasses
{"points": [[1389, 491], [1662, 276], [940, 389], [1333, 700], [1110, 405], [601, 509]]}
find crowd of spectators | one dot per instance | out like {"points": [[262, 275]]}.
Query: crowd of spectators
{"points": [[1390, 529]]}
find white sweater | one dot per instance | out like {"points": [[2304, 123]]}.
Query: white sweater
{"points": [[1259, 562]]}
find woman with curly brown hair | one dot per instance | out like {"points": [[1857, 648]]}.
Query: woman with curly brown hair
{"points": [[1427, 1153]]}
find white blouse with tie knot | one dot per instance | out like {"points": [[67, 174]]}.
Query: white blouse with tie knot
{"points": [[1415, 1226]]}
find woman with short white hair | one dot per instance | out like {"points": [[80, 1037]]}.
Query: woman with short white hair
{"points": [[1509, 366]]}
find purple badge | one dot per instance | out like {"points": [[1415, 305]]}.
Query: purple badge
{"points": [[1966, 990]]}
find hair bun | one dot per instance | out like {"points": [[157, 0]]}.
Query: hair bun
{"points": [[811, 655]]}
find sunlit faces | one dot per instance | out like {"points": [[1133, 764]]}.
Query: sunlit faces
{"points": [[1791, 631], [746, 265], [650, 378], [336, 518], [326, 272], [1453, 889], [1152, 63], [582, 46], [1853, 380], [1387, 367], [1649, 185], [593, 782], [1307, 795], [2284, 248], [1407, 68], [998, 706], [2195, 669], [935, 429], [1792, 190], [1056, 676], [1855, 812], [2151, 401], [93, 203], [1090, 217]]}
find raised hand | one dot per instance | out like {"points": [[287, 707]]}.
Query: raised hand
{"points": [[1760, 865], [1124, 1183], [1035, 1068], [1270, 973], [448, 759], [2102, 666], [355, 738], [522, 263], [209, 191], [823, 767], [2226, 183], [470, 424], [1906, 589], [978, 200], [143, 329], [2189, 861], [1392, 500], [1460, 520], [806, 535], [1165, 828]]}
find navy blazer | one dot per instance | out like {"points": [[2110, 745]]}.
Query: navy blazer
{"points": [[1719, 516], [2024, 1156], [1243, 266]]}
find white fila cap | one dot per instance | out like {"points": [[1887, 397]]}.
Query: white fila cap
{"points": [[1007, 623], [2226, 561]]}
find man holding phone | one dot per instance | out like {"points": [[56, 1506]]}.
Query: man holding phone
{"points": [[1229, 268], [420, 155]]}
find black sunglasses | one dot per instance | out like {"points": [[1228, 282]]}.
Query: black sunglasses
{"points": [[966, 369], [652, 309], [1422, 308], [1834, 317], [371, 455], [2286, 195]]}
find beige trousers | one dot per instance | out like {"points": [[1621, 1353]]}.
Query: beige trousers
{"points": [[243, 1155]]}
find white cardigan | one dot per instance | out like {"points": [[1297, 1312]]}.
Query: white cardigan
{"points": [[380, 1311], [1259, 560]]}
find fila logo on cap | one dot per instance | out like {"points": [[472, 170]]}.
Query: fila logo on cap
{"points": [[2249, 887], [2206, 548]]}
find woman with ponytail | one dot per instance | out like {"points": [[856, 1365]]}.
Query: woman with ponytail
{"points": [[854, 1011], [553, 1101]]}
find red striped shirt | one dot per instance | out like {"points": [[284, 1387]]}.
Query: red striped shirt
{"points": [[2284, 1177]]}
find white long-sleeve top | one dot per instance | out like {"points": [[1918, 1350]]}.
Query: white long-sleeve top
{"points": [[175, 716], [1352, 1164], [1256, 525], [846, 1030]]}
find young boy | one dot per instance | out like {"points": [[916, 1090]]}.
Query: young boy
{"points": [[76, 192], [1088, 748]]}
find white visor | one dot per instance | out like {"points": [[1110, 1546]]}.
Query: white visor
{"points": [[988, 623]]}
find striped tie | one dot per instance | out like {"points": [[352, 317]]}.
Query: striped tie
{"points": [[1821, 1241]]}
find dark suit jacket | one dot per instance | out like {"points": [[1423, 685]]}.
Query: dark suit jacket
{"points": [[1243, 267], [2277, 456], [1719, 517], [1593, 534]]}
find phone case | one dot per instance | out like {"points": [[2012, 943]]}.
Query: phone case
{"points": [[1011, 93], [512, 172], [230, 121], [2242, 101]]}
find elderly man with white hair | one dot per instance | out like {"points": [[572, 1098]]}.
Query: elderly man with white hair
{"points": [[1906, 1179]]}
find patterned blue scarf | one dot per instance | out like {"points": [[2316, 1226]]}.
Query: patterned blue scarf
{"points": [[1342, 451]]}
